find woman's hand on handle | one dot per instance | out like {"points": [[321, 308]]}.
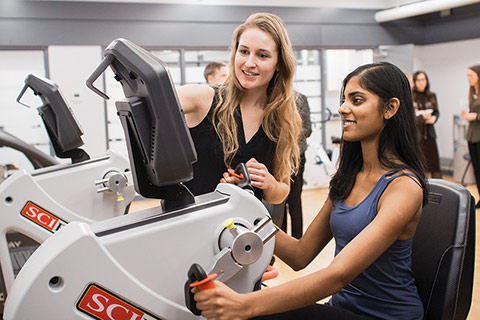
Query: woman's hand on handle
{"points": [[221, 303], [274, 191]]}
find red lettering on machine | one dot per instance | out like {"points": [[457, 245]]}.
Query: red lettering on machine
{"points": [[42, 217], [103, 305]]}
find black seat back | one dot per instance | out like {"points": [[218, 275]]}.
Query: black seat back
{"points": [[443, 252], [160, 147], [62, 127]]}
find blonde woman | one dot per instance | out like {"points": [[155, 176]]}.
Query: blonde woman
{"points": [[251, 117]]}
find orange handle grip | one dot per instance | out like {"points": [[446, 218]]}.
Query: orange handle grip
{"points": [[206, 283], [233, 173], [270, 273]]}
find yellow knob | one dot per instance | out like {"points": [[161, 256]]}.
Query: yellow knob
{"points": [[229, 224]]}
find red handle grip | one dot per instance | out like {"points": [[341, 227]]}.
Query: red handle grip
{"points": [[206, 283], [270, 273], [233, 173]]}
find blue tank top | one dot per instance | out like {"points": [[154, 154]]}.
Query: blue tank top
{"points": [[386, 289]]}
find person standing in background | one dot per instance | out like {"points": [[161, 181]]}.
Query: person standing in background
{"points": [[215, 72], [473, 118], [426, 111], [294, 201]]}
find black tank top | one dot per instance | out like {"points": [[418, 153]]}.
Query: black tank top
{"points": [[209, 168]]}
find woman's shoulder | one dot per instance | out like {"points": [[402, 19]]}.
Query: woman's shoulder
{"points": [[432, 96], [194, 90], [196, 100], [405, 182]]}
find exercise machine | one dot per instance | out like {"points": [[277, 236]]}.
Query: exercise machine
{"points": [[321, 163], [35, 204], [37, 158], [140, 266]]}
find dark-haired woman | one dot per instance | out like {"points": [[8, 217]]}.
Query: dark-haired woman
{"points": [[426, 110], [473, 118], [372, 211]]}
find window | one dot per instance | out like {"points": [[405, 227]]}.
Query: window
{"points": [[20, 121]]}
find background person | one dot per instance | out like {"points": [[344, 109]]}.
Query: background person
{"points": [[251, 117], [293, 204], [473, 118], [374, 205], [215, 72], [426, 110]]}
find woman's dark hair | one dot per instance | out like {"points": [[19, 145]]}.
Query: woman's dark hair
{"points": [[398, 146], [472, 91], [476, 69]]}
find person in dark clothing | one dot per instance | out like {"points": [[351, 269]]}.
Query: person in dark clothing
{"points": [[251, 117], [372, 211], [473, 118], [426, 110], [293, 204]]}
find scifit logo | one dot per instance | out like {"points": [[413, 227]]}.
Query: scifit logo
{"points": [[42, 217], [103, 305]]}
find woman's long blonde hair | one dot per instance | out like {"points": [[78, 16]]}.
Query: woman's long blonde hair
{"points": [[281, 121]]}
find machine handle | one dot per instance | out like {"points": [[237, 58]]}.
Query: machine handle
{"points": [[233, 173], [25, 87], [271, 273], [197, 277], [96, 73], [241, 172], [206, 283]]}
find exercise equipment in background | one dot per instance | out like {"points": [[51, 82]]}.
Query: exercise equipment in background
{"points": [[35, 204]]}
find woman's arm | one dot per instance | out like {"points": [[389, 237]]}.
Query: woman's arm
{"points": [[195, 100], [469, 116], [398, 213], [433, 117], [299, 253], [434, 101], [224, 302], [304, 111]]}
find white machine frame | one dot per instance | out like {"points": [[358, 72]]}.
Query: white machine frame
{"points": [[101, 270], [38, 203]]}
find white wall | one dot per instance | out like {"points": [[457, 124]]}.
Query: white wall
{"points": [[69, 67], [446, 65]]}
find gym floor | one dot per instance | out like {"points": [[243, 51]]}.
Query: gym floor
{"points": [[312, 201]]}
